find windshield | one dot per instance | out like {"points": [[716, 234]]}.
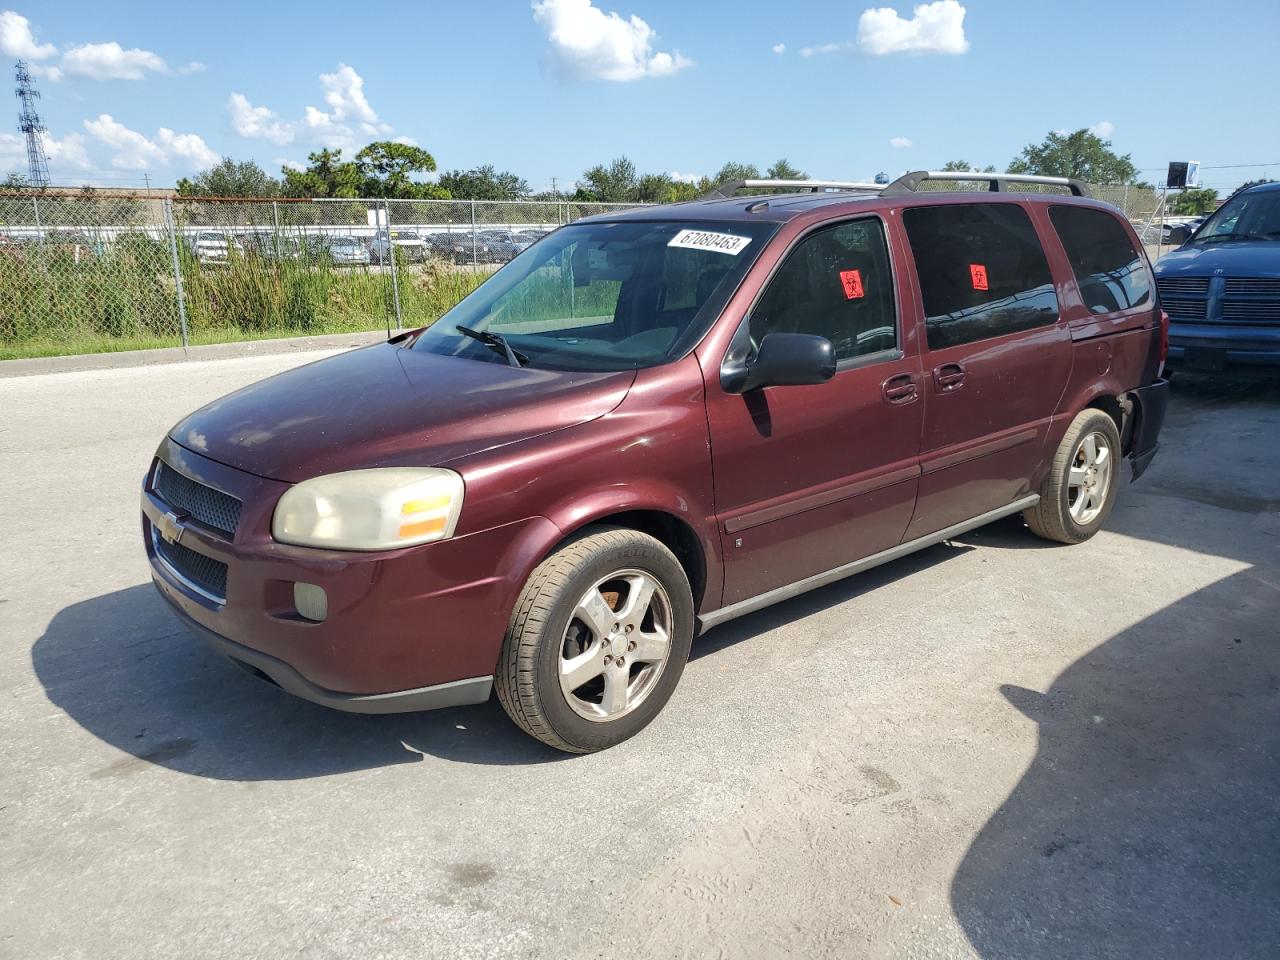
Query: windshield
{"points": [[1246, 216], [605, 296]]}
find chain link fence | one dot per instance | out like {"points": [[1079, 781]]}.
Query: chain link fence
{"points": [[90, 272]]}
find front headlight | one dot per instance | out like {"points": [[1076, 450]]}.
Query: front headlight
{"points": [[380, 509]]}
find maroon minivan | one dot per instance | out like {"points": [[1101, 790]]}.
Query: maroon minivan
{"points": [[649, 423]]}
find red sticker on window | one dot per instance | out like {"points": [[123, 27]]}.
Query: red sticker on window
{"points": [[978, 273], [851, 280]]}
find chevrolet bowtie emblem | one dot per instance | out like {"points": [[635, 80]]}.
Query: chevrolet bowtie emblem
{"points": [[170, 527]]}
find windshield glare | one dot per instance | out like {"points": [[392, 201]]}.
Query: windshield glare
{"points": [[1245, 216], [605, 296]]}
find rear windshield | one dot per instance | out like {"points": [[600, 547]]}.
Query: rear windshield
{"points": [[605, 296]]}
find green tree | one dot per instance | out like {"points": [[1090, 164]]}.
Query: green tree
{"points": [[386, 170], [961, 166], [484, 183], [1081, 154], [783, 170], [660, 188], [326, 175], [1189, 203], [227, 178], [14, 181], [736, 171], [615, 183]]}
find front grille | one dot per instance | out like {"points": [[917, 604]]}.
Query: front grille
{"points": [[208, 574], [1185, 309], [1251, 311], [1252, 287], [1186, 286], [213, 508]]}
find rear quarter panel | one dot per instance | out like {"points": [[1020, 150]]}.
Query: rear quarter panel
{"points": [[1111, 353]]}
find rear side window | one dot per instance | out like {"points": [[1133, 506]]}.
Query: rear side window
{"points": [[1111, 274], [982, 272], [836, 283]]}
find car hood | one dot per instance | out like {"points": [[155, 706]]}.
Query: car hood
{"points": [[385, 405], [1248, 258]]}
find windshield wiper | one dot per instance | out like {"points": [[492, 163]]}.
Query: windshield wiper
{"points": [[496, 342]]}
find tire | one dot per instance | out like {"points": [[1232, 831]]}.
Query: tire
{"points": [[558, 629], [1079, 492]]}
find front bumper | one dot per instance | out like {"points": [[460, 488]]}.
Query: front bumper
{"points": [[456, 693], [1235, 346], [400, 625]]}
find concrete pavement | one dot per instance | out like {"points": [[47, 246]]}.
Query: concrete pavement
{"points": [[995, 748]]}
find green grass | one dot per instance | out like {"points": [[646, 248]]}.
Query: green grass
{"points": [[53, 302]]}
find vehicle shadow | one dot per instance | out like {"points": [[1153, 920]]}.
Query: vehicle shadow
{"points": [[1147, 824], [126, 670]]}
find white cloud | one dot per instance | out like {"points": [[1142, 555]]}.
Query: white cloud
{"points": [[344, 93], [18, 41], [587, 43], [779, 48], [291, 164], [349, 111], [1103, 129], [824, 48], [257, 122], [407, 141], [195, 66], [679, 177], [67, 152], [933, 28], [110, 61], [188, 146], [135, 151], [899, 142], [49, 72], [64, 155]]}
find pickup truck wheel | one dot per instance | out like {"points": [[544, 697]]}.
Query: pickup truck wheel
{"points": [[597, 641], [1083, 481]]}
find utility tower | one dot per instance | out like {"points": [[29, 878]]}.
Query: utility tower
{"points": [[32, 129]]}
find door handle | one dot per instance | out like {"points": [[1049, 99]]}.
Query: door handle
{"points": [[948, 377], [900, 389]]}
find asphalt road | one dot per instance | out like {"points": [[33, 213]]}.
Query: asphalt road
{"points": [[996, 748]]}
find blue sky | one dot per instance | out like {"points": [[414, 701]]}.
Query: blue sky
{"points": [[549, 88]]}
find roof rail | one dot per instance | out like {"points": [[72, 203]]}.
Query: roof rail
{"points": [[910, 182], [726, 190]]}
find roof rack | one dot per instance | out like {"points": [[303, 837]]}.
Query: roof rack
{"points": [[910, 182], [726, 190]]}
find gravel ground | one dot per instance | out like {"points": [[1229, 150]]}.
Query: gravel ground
{"points": [[995, 748]]}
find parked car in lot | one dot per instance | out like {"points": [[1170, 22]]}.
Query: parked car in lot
{"points": [[210, 246], [350, 251], [1221, 288], [408, 242], [499, 246], [654, 422]]}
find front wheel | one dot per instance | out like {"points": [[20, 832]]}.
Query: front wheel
{"points": [[1083, 481], [597, 641]]}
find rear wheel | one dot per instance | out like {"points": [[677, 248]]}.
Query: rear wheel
{"points": [[1083, 481], [597, 641]]}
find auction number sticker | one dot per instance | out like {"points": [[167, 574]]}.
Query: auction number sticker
{"points": [[729, 243]]}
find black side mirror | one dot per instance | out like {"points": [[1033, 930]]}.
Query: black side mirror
{"points": [[783, 360]]}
